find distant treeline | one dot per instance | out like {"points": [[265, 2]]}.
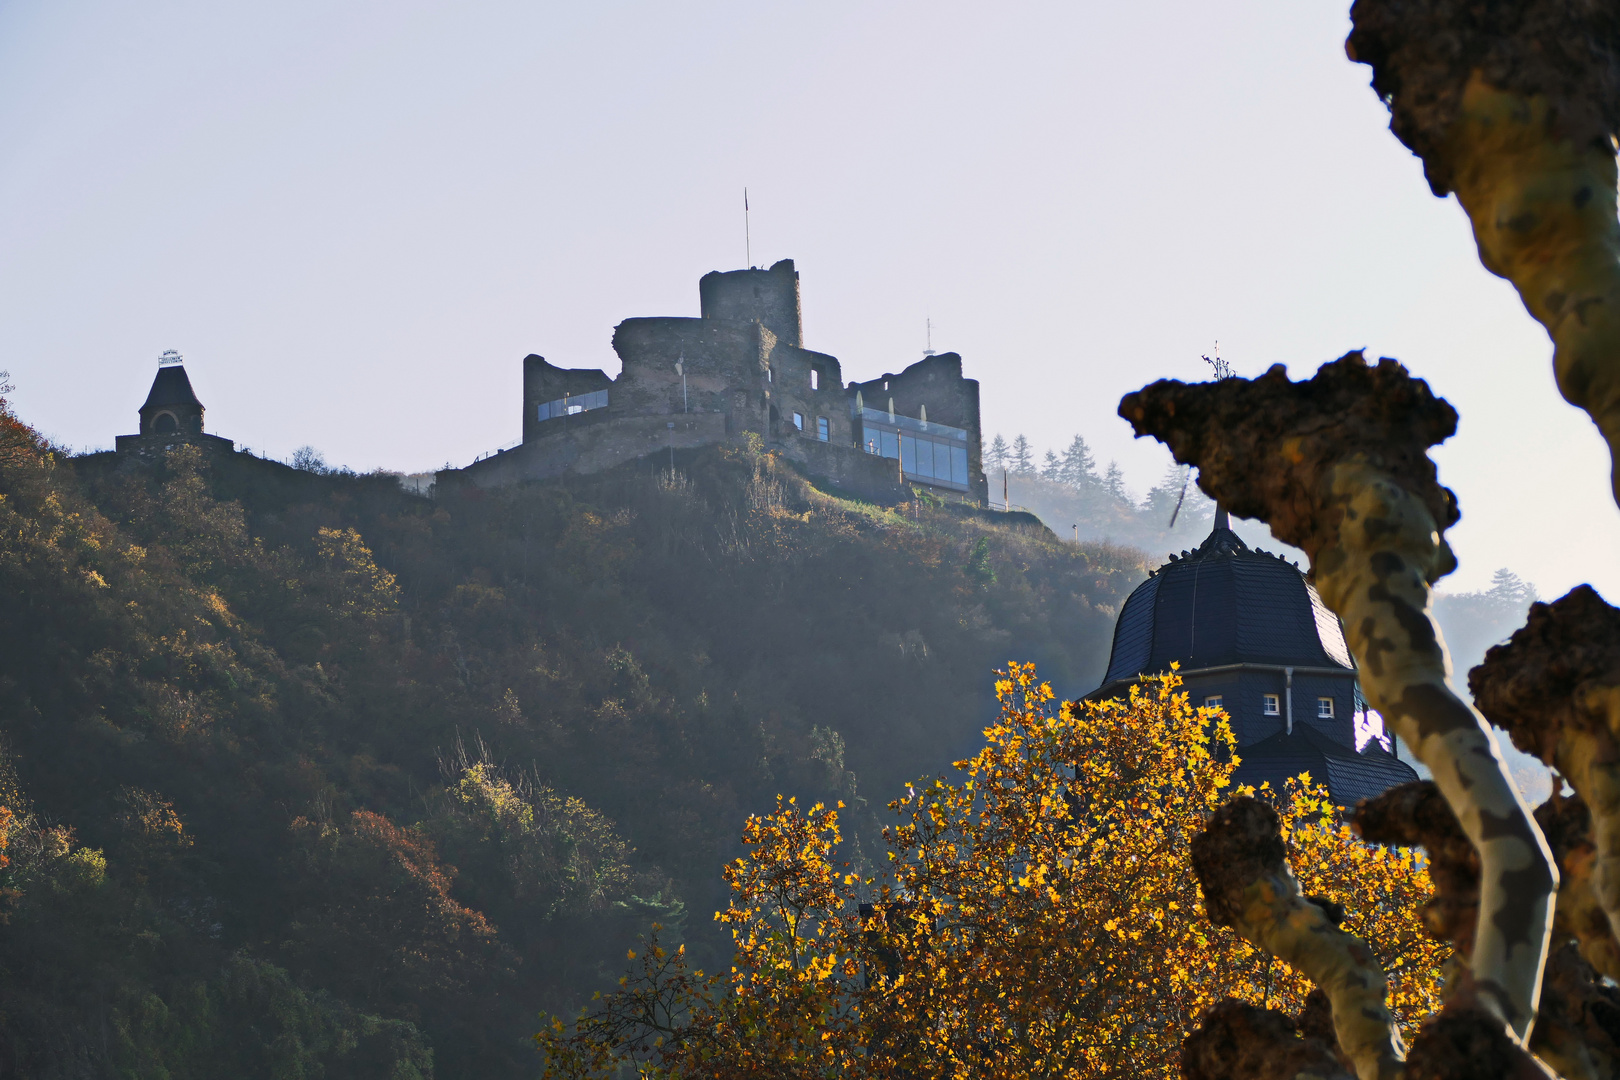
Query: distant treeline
{"points": [[1068, 490]]}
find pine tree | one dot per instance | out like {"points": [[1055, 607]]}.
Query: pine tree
{"points": [[1079, 468], [1114, 482], [1051, 468], [1023, 457], [995, 457], [1510, 590], [1162, 498]]}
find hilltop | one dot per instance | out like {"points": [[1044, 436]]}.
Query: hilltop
{"points": [[304, 770]]}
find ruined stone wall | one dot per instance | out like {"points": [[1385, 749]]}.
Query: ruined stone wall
{"points": [[851, 471], [769, 297], [588, 443], [791, 392], [725, 364], [543, 382]]}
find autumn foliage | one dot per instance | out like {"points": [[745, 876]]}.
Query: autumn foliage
{"points": [[1037, 916]]}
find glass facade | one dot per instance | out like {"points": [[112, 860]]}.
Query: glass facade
{"points": [[575, 403], [909, 423], [939, 457]]}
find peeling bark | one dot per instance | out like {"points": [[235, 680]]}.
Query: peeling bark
{"points": [[1578, 1018], [1568, 827], [1243, 870], [1338, 466], [1416, 815], [1514, 106], [1578, 1027], [1555, 688], [1470, 1044], [1245, 1042]]}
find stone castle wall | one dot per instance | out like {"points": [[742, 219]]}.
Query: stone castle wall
{"points": [[745, 370]]}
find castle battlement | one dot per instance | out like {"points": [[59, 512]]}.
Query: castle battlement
{"points": [[741, 366]]}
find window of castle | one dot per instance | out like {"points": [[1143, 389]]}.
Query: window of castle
{"points": [[822, 428], [1273, 706], [164, 424], [815, 379], [798, 420], [1324, 708], [1214, 701]]}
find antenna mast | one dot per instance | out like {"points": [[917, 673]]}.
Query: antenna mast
{"points": [[1223, 370], [930, 350], [748, 240]]}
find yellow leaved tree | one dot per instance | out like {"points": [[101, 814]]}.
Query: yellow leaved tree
{"points": [[1039, 917]]}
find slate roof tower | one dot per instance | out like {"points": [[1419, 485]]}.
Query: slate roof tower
{"points": [[171, 405], [172, 415], [1252, 636]]}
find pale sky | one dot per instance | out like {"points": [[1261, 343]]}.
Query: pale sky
{"points": [[355, 220]]}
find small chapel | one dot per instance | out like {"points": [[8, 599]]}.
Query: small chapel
{"points": [[1253, 638], [172, 415]]}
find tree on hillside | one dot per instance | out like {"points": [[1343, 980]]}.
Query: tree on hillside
{"points": [[996, 454], [1175, 488], [1474, 621], [1079, 465], [1052, 468], [1037, 920], [1022, 460], [1114, 482]]}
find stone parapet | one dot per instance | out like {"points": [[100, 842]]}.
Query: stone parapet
{"points": [[587, 448]]}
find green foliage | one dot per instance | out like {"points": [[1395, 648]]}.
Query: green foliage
{"points": [[233, 699]]}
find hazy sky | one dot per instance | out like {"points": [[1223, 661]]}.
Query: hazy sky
{"points": [[356, 219]]}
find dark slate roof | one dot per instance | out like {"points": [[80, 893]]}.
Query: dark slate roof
{"points": [[1224, 604], [1349, 776], [171, 387]]}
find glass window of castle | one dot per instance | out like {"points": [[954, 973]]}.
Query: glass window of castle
{"points": [[570, 404], [931, 452]]}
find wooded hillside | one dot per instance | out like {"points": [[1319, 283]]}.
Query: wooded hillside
{"points": [[304, 774]]}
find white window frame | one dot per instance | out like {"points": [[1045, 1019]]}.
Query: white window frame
{"points": [[1324, 708], [1273, 704], [1215, 701], [798, 420]]}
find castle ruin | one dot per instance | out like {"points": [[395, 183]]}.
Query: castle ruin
{"points": [[739, 367]]}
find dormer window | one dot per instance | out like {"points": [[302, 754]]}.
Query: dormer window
{"points": [[1273, 706], [1324, 708], [1214, 701]]}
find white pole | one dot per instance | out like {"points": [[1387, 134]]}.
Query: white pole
{"points": [[1290, 692]]}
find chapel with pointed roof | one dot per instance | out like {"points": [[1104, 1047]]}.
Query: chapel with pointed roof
{"points": [[172, 415], [1252, 636]]}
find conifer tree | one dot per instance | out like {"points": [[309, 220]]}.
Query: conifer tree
{"points": [[1079, 468], [995, 455], [1052, 468], [1114, 482], [1023, 457]]}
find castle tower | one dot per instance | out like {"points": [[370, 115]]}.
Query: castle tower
{"points": [[171, 406], [768, 297]]}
